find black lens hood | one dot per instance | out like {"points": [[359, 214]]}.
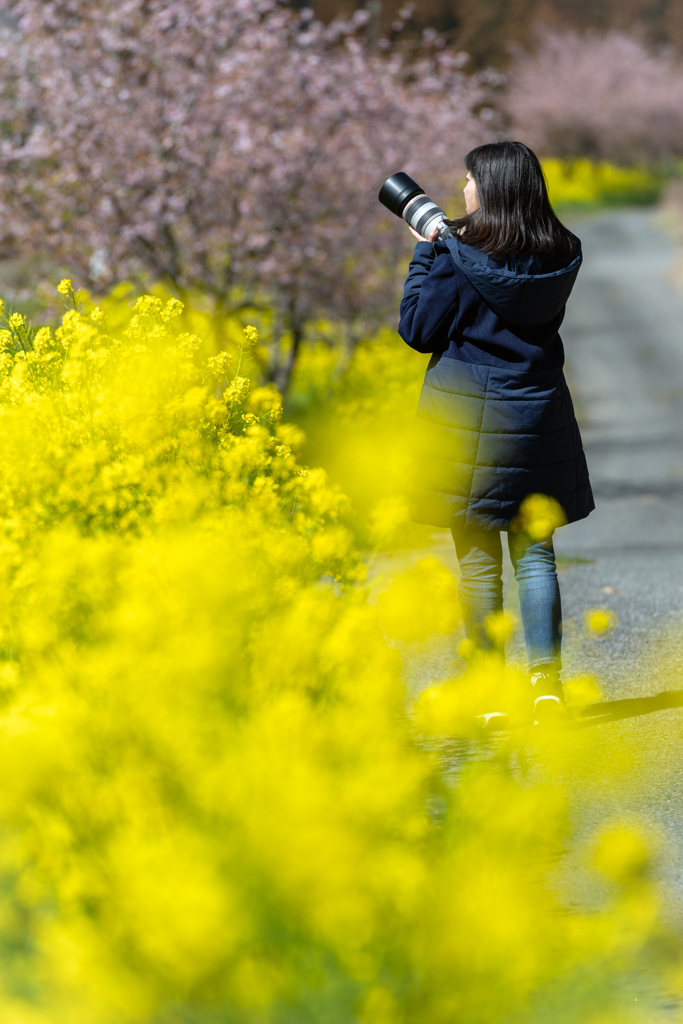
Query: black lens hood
{"points": [[397, 191]]}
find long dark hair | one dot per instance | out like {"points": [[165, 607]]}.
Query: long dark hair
{"points": [[514, 215]]}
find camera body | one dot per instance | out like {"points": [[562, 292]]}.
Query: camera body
{"points": [[404, 198]]}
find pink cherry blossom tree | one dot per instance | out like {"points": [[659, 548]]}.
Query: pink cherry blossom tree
{"points": [[606, 96], [230, 146]]}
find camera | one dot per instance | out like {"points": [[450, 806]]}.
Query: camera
{"points": [[406, 199]]}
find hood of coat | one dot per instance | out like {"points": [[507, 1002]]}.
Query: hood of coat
{"points": [[523, 290]]}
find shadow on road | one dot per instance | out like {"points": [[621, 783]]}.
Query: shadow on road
{"points": [[633, 707]]}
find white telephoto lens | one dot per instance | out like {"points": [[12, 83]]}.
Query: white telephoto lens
{"points": [[424, 215]]}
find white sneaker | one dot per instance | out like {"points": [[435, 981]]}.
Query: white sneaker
{"points": [[549, 704], [494, 721]]}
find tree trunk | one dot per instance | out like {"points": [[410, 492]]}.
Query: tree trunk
{"points": [[283, 373]]}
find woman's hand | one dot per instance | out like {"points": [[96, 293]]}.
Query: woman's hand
{"points": [[433, 235]]}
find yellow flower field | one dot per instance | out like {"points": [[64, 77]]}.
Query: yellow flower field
{"points": [[215, 804], [583, 182]]}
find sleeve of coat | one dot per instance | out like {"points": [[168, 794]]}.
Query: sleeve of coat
{"points": [[430, 299]]}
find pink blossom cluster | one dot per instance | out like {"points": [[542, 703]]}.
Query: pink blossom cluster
{"points": [[236, 146], [606, 96]]}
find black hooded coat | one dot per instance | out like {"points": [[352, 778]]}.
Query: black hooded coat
{"points": [[496, 418]]}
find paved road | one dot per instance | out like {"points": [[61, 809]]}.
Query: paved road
{"points": [[624, 341]]}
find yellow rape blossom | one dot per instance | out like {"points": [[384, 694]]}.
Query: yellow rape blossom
{"points": [[500, 627], [172, 310], [539, 516], [237, 391], [600, 621]]}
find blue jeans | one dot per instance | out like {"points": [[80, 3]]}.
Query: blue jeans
{"points": [[480, 555]]}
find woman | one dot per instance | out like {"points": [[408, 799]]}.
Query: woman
{"points": [[497, 415]]}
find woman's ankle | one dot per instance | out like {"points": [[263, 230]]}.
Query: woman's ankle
{"points": [[546, 668]]}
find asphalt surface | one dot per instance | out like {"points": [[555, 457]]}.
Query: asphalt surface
{"points": [[623, 336], [624, 341]]}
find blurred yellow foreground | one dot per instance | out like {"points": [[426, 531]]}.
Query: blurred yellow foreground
{"points": [[215, 805]]}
